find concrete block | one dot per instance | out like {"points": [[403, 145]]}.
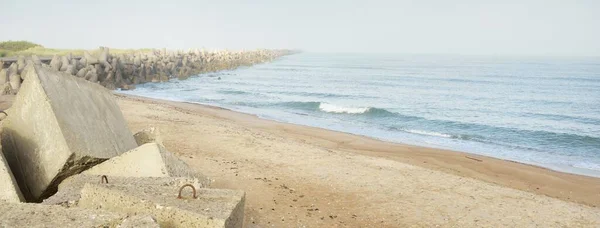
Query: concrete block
{"points": [[35, 215], [69, 191], [211, 207], [143, 161], [175, 166], [60, 125], [9, 190], [148, 135]]}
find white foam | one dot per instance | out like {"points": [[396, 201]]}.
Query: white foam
{"points": [[588, 165], [437, 134], [339, 109]]}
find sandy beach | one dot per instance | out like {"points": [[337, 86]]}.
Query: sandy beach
{"points": [[297, 176]]}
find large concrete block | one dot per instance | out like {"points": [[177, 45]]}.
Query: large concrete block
{"points": [[69, 191], [148, 135], [9, 190], [210, 208], [143, 161], [175, 166], [60, 125], [149, 160], [35, 215]]}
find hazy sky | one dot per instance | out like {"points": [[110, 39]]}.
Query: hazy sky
{"points": [[502, 27]]}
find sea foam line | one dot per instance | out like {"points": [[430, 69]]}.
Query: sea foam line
{"points": [[419, 132], [340, 109]]}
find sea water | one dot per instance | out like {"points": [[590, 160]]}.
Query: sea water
{"points": [[537, 110]]}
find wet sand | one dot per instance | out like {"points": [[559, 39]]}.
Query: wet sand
{"points": [[298, 176]]}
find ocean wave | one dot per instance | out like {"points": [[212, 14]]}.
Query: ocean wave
{"points": [[562, 117], [511, 137], [434, 133], [587, 165], [430, 133], [233, 92], [338, 109], [325, 107], [307, 106], [316, 94]]}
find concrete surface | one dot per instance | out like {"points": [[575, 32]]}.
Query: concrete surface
{"points": [[148, 135], [143, 161], [211, 208], [69, 191], [5, 103], [175, 166], [60, 125], [36, 215], [136, 221], [9, 190]]}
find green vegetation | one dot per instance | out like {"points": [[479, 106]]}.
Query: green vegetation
{"points": [[42, 51], [25, 48], [9, 48], [17, 45]]}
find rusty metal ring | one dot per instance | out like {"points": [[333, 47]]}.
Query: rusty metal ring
{"points": [[103, 178], [187, 185]]}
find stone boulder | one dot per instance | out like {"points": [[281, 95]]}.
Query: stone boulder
{"points": [[58, 126]]}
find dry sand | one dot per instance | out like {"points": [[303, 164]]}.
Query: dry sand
{"points": [[296, 176]]}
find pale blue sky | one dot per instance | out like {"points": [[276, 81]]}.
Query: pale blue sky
{"points": [[503, 27]]}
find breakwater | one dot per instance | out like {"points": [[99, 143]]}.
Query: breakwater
{"points": [[127, 70]]}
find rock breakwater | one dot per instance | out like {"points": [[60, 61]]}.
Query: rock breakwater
{"points": [[124, 71]]}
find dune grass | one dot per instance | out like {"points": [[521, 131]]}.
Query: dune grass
{"points": [[9, 48], [25, 48], [42, 51]]}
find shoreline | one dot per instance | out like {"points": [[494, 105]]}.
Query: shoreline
{"points": [[521, 176], [587, 173]]}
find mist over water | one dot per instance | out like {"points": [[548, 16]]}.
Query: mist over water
{"points": [[542, 111]]}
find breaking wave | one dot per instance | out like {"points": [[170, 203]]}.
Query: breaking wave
{"points": [[325, 107], [338, 109]]}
